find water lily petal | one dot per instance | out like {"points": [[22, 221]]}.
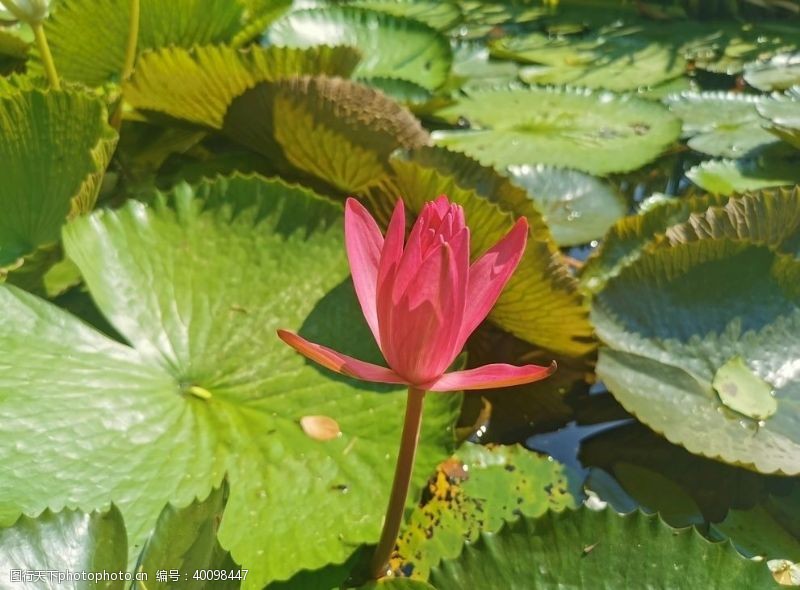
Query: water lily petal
{"points": [[489, 275], [490, 377], [364, 243], [422, 344], [338, 362]]}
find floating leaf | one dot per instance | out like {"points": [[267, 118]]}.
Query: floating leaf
{"points": [[779, 166], [676, 316], [722, 124], [199, 84], [756, 532], [54, 148], [770, 217], [597, 132], [67, 542], [185, 539], [439, 15], [785, 118], [197, 290], [88, 37], [781, 72], [337, 131], [614, 58], [573, 549], [477, 490], [540, 303], [578, 207], [392, 47]]}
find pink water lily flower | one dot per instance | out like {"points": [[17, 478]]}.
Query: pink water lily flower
{"points": [[422, 298]]}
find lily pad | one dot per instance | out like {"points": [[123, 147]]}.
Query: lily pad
{"points": [[596, 132], [338, 132], [88, 38], [199, 84], [392, 47], [676, 317], [578, 207], [721, 124], [185, 539], [778, 166], [573, 549], [439, 15], [540, 303], [203, 387], [70, 541], [784, 116], [615, 59], [477, 490], [54, 148], [628, 236], [781, 72]]}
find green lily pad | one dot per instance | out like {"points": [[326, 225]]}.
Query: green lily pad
{"points": [[204, 388], [578, 207], [199, 84], [781, 72], [770, 217], [336, 131], [67, 146], [392, 47], [677, 315], [480, 19], [614, 58], [573, 549], [439, 15], [784, 116], [628, 236], [477, 490], [757, 532], [185, 539], [596, 132], [540, 303], [778, 166], [88, 38], [55, 544], [721, 124], [472, 64]]}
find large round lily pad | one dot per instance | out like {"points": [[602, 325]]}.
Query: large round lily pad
{"points": [[777, 166], [392, 47], [203, 387], [603, 550], [701, 342], [597, 132]]}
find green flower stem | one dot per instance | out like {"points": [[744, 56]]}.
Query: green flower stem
{"points": [[47, 57], [402, 480], [130, 56]]}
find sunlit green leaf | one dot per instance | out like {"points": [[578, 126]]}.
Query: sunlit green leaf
{"points": [[393, 47], [726, 125], [203, 388], [597, 132], [199, 84], [88, 38]]}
